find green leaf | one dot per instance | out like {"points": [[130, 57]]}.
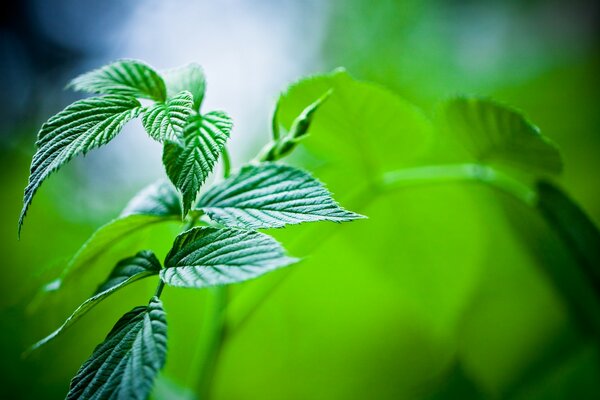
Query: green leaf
{"points": [[188, 164], [79, 128], [492, 133], [189, 77], [282, 146], [125, 365], [271, 196], [123, 77], [155, 204], [165, 121], [302, 123], [159, 198], [206, 256], [362, 127], [129, 270], [574, 227]]}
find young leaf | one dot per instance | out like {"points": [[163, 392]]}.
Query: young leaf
{"points": [[189, 77], [79, 128], [494, 133], [271, 196], [189, 163], [206, 256], [165, 121], [302, 123], [124, 77], [125, 365], [129, 270], [282, 146], [159, 198]]}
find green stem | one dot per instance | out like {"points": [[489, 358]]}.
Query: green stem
{"points": [[240, 311], [478, 173], [211, 340], [226, 163], [212, 333], [159, 288]]}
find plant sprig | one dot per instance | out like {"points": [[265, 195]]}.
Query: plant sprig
{"points": [[259, 196], [495, 146]]}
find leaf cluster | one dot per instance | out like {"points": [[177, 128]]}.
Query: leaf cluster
{"points": [[227, 249]]}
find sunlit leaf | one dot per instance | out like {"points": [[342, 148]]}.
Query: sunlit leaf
{"points": [[124, 77], [362, 127], [206, 256], [189, 77], [125, 365], [79, 128], [271, 196]]}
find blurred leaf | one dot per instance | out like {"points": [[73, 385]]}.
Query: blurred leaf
{"points": [[363, 128], [167, 389], [492, 133], [165, 121], [123, 77], [125, 365], [127, 271], [206, 256], [79, 128], [159, 199], [157, 203], [574, 227], [188, 164], [189, 77], [271, 196], [106, 236]]}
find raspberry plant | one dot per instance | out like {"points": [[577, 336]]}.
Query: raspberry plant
{"points": [[221, 249], [470, 140]]}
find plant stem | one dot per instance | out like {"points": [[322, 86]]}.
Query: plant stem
{"points": [[459, 173], [159, 288], [212, 333], [242, 308], [211, 339], [226, 163]]}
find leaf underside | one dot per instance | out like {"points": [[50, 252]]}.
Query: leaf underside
{"points": [[155, 204], [104, 238], [271, 196], [165, 121], [206, 256], [127, 271], [123, 77], [125, 365], [188, 164], [159, 199], [79, 128]]}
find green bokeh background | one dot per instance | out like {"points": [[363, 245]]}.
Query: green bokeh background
{"points": [[443, 293]]}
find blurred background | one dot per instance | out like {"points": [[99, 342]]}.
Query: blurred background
{"points": [[441, 294]]}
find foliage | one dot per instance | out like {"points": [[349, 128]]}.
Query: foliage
{"points": [[125, 365], [219, 245]]}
